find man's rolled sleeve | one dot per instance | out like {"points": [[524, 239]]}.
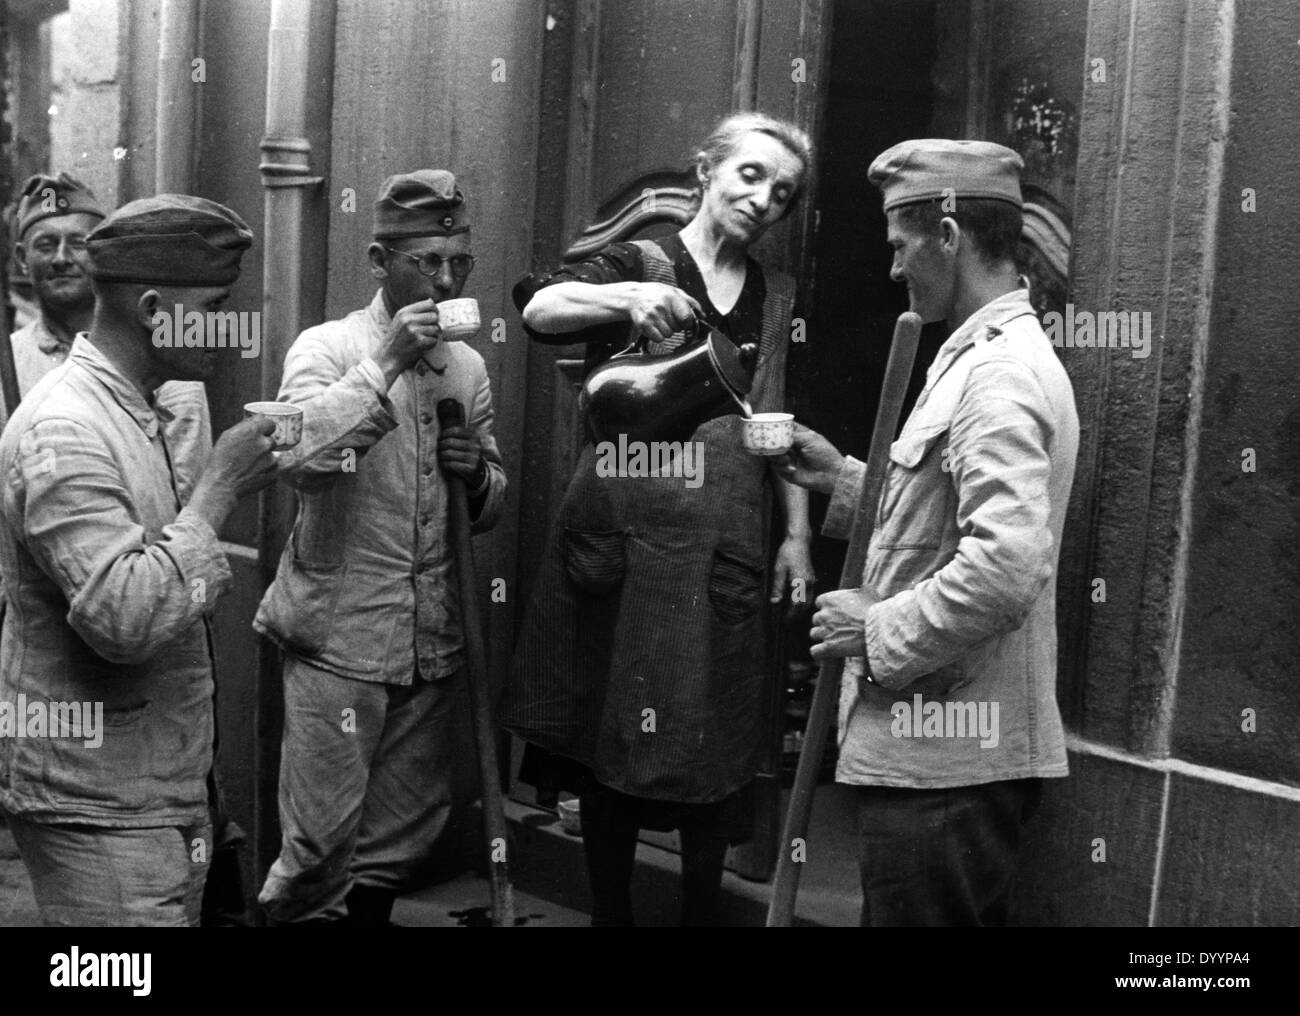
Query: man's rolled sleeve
{"points": [[128, 597], [999, 440]]}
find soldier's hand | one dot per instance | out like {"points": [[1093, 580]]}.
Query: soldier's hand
{"points": [[839, 625], [241, 464], [461, 451], [657, 310], [812, 461], [413, 331], [241, 459]]}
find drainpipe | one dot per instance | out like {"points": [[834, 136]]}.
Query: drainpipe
{"points": [[286, 174], [8, 372], [176, 105]]}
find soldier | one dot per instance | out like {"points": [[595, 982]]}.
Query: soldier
{"points": [[364, 604], [53, 217], [113, 566], [948, 715]]}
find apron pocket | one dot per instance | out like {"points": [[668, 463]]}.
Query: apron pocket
{"points": [[734, 588], [595, 560]]}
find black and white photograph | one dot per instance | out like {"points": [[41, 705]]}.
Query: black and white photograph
{"points": [[658, 463]]}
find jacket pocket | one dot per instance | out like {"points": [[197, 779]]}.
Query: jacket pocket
{"points": [[919, 505], [320, 534], [304, 603], [735, 588], [595, 560]]}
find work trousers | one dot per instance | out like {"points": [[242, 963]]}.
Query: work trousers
{"points": [[947, 857], [98, 877], [365, 786]]}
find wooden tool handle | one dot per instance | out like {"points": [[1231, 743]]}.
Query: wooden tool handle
{"points": [[452, 414], [785, 886]]}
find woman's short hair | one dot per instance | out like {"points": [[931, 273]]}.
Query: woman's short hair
{"points": [[722, 142]]}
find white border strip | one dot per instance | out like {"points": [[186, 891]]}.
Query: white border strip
{"points": [[1180, 767]]}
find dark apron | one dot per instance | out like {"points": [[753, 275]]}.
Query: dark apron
{"points": [[642, 656]]}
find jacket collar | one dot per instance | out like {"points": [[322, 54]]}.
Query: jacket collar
{"points": [[146, 413], [985, 323], [46, 341]]}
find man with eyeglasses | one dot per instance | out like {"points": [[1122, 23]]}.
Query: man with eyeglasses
{"points": [[364, 604]]}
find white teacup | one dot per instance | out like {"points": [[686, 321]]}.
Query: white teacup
{"points": [[287, 420], [768, 433], [459, 319]]}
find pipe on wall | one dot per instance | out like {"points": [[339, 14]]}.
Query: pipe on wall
{"points": [[286, 174], [176, 105]]}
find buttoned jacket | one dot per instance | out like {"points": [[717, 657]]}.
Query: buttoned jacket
{"points": [[961, 568]]}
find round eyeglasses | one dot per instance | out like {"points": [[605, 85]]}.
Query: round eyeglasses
{"points": [[430, 263]]}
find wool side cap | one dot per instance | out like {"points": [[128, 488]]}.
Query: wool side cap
{"points": [[426, 202], [169, 240], [927, 169], [45, 197]]}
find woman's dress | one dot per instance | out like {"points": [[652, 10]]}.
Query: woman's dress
{"points": [[642, 654]]}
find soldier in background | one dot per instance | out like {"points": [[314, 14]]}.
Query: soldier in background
{"points": [[53, 217]]}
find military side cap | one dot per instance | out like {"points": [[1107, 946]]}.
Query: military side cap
{"points": [[424, 203], [170, 240], [931, 168], [45, 197]]}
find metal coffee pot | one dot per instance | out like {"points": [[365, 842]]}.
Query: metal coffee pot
{"points": [[666, 397]]}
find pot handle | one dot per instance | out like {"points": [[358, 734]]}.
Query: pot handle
{"points": [[636, 344]]}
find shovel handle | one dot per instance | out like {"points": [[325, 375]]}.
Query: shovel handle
{"points": [[452, 414], [785, 886]]}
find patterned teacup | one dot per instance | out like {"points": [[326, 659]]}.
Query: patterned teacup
{"points": [[287, 420], [768, 433], [458, 319]]}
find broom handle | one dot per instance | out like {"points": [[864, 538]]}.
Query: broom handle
{"points": [[452, 414], [785, 886]]}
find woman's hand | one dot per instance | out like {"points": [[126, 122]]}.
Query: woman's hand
{"points": [[793, 568], [657, 310]]}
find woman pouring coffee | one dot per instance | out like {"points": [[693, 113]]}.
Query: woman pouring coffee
{"points": [[640, 668]]}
